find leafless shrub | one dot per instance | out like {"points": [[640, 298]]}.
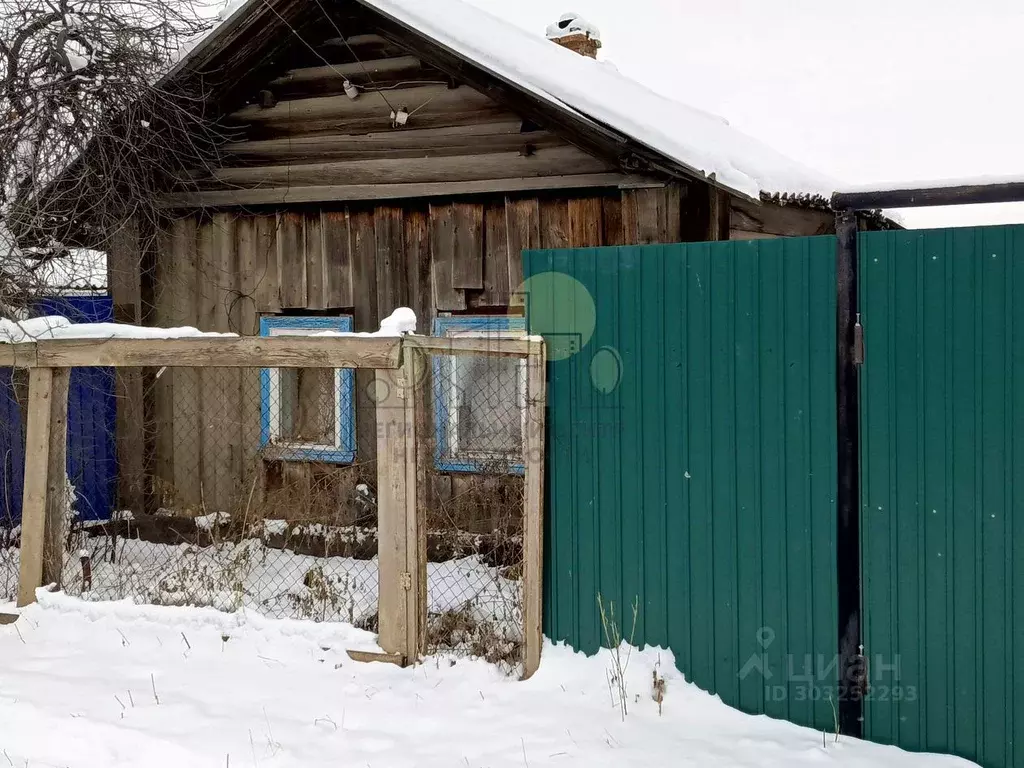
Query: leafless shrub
{"points": [[463, 632], [613, 635]]}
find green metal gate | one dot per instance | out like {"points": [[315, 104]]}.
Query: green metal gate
{"points": [[691, 459], [692, 467], [942, 490]]}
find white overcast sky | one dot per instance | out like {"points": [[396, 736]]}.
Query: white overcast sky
{"points": [[868, 92]]}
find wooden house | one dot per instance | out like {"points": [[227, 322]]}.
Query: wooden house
{"points": [[387, 153]]}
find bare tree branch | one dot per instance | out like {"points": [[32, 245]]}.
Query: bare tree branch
{"points": [[88, 137]]}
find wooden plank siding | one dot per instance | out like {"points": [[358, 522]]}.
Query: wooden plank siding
{"points": [[440, 256], [223, 272]]}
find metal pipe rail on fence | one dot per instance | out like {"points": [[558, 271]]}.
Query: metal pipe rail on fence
{"points": [[402, 412]]}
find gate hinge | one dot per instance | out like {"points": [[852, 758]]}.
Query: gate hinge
{"points": [[858, 342], [405, 579]]}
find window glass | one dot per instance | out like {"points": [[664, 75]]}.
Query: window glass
{"points": [[308, 405], [489, 420], [307, 414], [479, 400]]}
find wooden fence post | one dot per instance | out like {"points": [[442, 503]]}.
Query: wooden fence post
{"points": [[55, 527], [44, 497], [416, 401], [397, 525], [533, 533]]}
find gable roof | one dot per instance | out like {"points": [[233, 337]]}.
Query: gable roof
{"points": [[590, 93], [700, 141]]}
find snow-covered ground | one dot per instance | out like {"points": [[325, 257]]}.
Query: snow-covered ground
{"points": [[470, 603], [273, 582], [90, 685]]}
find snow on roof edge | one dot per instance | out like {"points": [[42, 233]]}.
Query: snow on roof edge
{"points": [[899, 186]]}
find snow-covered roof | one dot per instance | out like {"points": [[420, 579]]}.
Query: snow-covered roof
{"points": [[591, 91], [596, 90]]}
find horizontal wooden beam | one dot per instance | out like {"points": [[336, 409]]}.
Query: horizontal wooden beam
{"points": [[346, 192], [358, 41], [550, 161], [423, 99], [382, 352], [468, 345], [225, 352], [781, 220], [919, 197], [18, 355], [500, 136], [356, 70]]}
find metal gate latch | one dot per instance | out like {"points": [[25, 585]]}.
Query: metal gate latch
{"points": [[858, 342]]}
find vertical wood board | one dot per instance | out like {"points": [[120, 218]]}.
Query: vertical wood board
{"points": [[468, 259], [316, 262], [447, 298], [419, 273], [291, 245], [338, 259], [523, 226], [391, 270], [496, 256]]}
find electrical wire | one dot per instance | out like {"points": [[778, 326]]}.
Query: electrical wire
{"points": [[359, 61], [319, 55], [401, 84]]}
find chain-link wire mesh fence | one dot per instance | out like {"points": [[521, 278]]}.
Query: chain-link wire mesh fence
{"points": [[475, 507], [234, 487], [257, 488]]}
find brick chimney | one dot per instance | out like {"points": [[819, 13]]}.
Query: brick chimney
{"points": [[577, 34]]}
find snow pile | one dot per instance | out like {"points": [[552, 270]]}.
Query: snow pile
{"points": [[572, 24], [398, 323], [401, 321], [56, 327], [103, 686]]}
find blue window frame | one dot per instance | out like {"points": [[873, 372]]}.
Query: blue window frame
{"points": [[479, 400], [281, 392]]}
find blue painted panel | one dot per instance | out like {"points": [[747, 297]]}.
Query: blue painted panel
{"points": [[92, 463], [12, 452], [346, 452]]}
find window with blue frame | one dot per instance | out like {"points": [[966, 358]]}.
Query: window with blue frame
{"points": [[479, 400], [307, 414]]}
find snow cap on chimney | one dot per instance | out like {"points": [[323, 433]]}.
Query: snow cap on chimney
{"points": [[574, 32]]}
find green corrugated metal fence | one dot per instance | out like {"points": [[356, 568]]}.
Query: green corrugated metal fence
{"points": [[691, 459], [942, 479], [692, 467]]}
